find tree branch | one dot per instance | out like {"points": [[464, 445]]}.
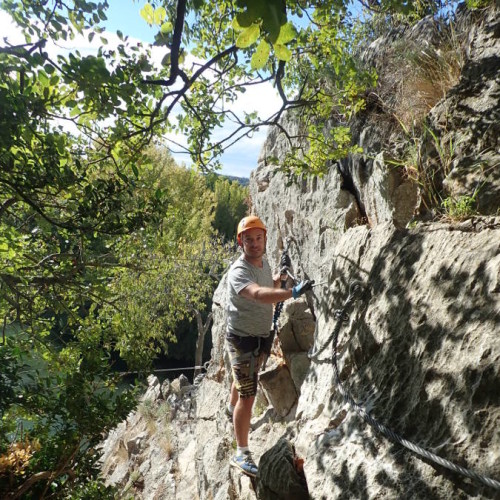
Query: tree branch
{"points": [[6, 204]]}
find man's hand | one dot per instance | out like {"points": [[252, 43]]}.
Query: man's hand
{"points": [[302, 288]]}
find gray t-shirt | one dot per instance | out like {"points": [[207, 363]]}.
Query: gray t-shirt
{"points": [[247, 317]]}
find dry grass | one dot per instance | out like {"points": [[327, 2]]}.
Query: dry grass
{"points": [[167, 444], [416, 75], [147, 409], [426, 79]]}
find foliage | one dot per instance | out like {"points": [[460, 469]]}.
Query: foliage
{"points": [[170, 269], [313, 64], [167, 289], [332, 82], [428, 171], [231, 42], [129, 293], [232, 204], [381, 21], [459, 208], [477, 4], [53, 427]]}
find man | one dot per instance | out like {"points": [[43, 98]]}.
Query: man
{"points": [[252, 291]]}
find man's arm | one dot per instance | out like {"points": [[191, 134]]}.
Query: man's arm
{"points": [[264, 294]]}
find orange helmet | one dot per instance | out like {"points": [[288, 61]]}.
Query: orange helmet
{"points": [[250, 222]]}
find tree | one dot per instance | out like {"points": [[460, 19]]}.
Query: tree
{"points": [[177, 266], [232, 204]]}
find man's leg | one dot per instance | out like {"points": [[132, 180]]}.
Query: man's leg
{"points": [[245, 384], [233, 398], [241, 420]]}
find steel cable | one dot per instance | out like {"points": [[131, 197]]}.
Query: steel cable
{"points": [[341, 315]]}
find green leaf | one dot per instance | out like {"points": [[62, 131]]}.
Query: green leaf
{"points": [[272, 20], [282, 53], [248, 37], [287, 33], [243, 20], [136, 172], [236, 25], [167, 58], [123, 177], [260, 56], [60, 144], [159, 15], [166, 28], [147, 13], [43, 78]]}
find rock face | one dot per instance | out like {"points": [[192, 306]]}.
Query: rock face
{"points": [[467, 122], [420, 350]]}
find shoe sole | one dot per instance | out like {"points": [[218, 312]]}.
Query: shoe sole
{"points": [[247, 473]]}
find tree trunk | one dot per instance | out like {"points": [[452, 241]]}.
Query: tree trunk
{"points": [[202, 330]]}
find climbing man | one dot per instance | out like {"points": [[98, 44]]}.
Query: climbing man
{"points": [[252, 291]]}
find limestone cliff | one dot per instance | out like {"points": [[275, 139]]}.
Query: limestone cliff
{"points": [[420, 350]]}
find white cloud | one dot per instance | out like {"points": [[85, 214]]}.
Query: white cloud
{"points": [[10, 31]]}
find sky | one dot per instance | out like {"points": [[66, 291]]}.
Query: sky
{"points": [[124, 15]]}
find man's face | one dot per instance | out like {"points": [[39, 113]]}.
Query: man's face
{"points": [[254, 242]]}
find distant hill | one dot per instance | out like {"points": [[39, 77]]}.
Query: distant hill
{"points": [[211, 176], [242, 180]]}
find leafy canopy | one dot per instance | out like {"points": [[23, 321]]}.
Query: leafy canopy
{"points": [[213, 52]]}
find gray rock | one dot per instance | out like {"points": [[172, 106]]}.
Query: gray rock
{"points": [[298, 363], [153, 392], [135, 444], [279, 388], [278, 478], [165, 388]]}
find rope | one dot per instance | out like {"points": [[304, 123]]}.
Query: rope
{"points": [[276, 316], [161, 370], [341, 315], [279, 306]]}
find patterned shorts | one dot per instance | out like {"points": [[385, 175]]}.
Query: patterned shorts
{"points": [[247, 354]]}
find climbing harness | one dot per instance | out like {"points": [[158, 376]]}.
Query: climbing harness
{"points": [[342, 316], [249, 356]]}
